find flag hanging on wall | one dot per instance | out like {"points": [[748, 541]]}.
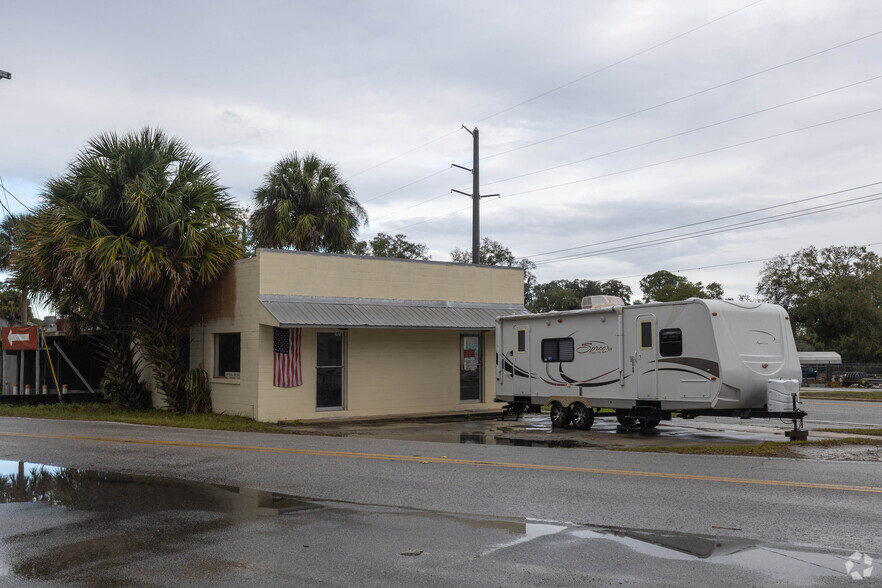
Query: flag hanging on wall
{"points": [[286, 358]]}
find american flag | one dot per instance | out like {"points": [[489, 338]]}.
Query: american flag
{"points": [[286, 358]]}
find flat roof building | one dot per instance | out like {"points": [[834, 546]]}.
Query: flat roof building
{"points": [[291, 335]]}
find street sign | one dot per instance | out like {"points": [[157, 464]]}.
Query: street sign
{"points": [[19, 338]]}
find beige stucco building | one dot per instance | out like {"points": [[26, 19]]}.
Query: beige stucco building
{"points": [[374, 336]]}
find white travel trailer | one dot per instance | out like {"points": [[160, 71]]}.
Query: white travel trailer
{"points": [[695, 357]]}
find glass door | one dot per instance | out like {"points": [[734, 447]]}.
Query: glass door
{"points": [[329, 370], [470, 367]]}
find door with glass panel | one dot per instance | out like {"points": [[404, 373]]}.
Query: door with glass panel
{"points": [[470, 368], [329, 370]]}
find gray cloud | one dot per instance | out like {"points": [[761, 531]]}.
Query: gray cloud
{"points": [[361, 83]]}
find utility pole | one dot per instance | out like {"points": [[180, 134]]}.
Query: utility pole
{"points": [[475, 196]]}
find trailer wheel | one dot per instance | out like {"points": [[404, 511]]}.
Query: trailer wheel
{"points": [[649, 424], [621, 414], [583, 417], [560, 415]]}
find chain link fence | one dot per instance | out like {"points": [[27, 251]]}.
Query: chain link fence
{"points": [[846, 374]]}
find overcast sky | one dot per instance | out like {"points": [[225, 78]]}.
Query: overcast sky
{"points": [[602, 124]]}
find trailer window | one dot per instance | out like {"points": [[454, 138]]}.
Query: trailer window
{"points": [[646, 335], [670, 342], [555, 350], [522, 340]]}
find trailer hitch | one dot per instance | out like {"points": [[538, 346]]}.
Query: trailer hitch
{"points": [[797, 433]]}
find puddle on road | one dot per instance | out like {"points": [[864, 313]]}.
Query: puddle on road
{"points": [[120, 520], [105, 492], [145, 515], [535, 430]]}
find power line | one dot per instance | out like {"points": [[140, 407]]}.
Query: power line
{"points": [[547, 92], [692, 269], [431, 175], [615, 119], [400, 155], [651, 165], [5, 191], [458, 210], [610, 66], [704, 267], [693, 155], [733, 227], [681, 98], [445, 194], [704, 222], [682, 133], [623, 149]]}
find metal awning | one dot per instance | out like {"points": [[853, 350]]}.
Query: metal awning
{"points": [[309, 311], [819, 357]]}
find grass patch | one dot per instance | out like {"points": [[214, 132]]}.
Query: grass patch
{"points": [[872, 432], [163, 418], [843, 394], [764, 449]]}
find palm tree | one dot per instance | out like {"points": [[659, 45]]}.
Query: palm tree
{"points": [[121, 241], [9, 228], [304, 203]]}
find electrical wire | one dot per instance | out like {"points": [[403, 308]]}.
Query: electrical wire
{"points": [[647, 109], [551, 91], [693, 155], [431, 175], [610, 66], [376, 218], [692, 269], [26, 207], [647, 166], [708, 221], [717, 230], [681, 98], [682, 133]]}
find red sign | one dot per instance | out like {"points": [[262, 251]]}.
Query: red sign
{"points": [[20, 337]]}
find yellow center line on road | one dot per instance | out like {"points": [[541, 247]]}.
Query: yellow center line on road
{"points": [[873, 404], [450, 461]]}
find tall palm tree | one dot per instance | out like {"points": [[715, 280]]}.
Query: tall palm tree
{"points": [[304, 203], [120, 242], [9, 228], [8, 239]]}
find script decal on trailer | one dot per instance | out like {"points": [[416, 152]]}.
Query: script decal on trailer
{"points": [[19, 338], [594, 347]]}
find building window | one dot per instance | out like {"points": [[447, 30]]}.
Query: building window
{"points": [[522, 340], [227, 354], [558, 350], [670, 342]]}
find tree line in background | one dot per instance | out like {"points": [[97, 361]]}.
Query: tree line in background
{"points": [[834, 298], [122, 244]]}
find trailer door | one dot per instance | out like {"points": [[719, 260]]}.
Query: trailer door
{"points": [[518, 352], [645, 358]]}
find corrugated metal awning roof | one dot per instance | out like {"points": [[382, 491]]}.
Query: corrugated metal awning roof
{"points": [[308, 311], [819, 357]]}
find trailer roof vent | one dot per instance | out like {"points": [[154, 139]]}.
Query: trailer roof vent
{"points": [[601, 301]]}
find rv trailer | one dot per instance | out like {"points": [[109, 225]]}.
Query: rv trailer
{"points": [[693, 357]]}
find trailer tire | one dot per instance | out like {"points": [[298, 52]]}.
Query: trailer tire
{"points": [[649, 424], [560, 415], [582, 416], [621, 414]]}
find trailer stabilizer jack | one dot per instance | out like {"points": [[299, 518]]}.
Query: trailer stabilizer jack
{"points": [[514, 409]]}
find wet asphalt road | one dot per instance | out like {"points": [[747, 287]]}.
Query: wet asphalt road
{"points": [[478, 514], [843, 413]]}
